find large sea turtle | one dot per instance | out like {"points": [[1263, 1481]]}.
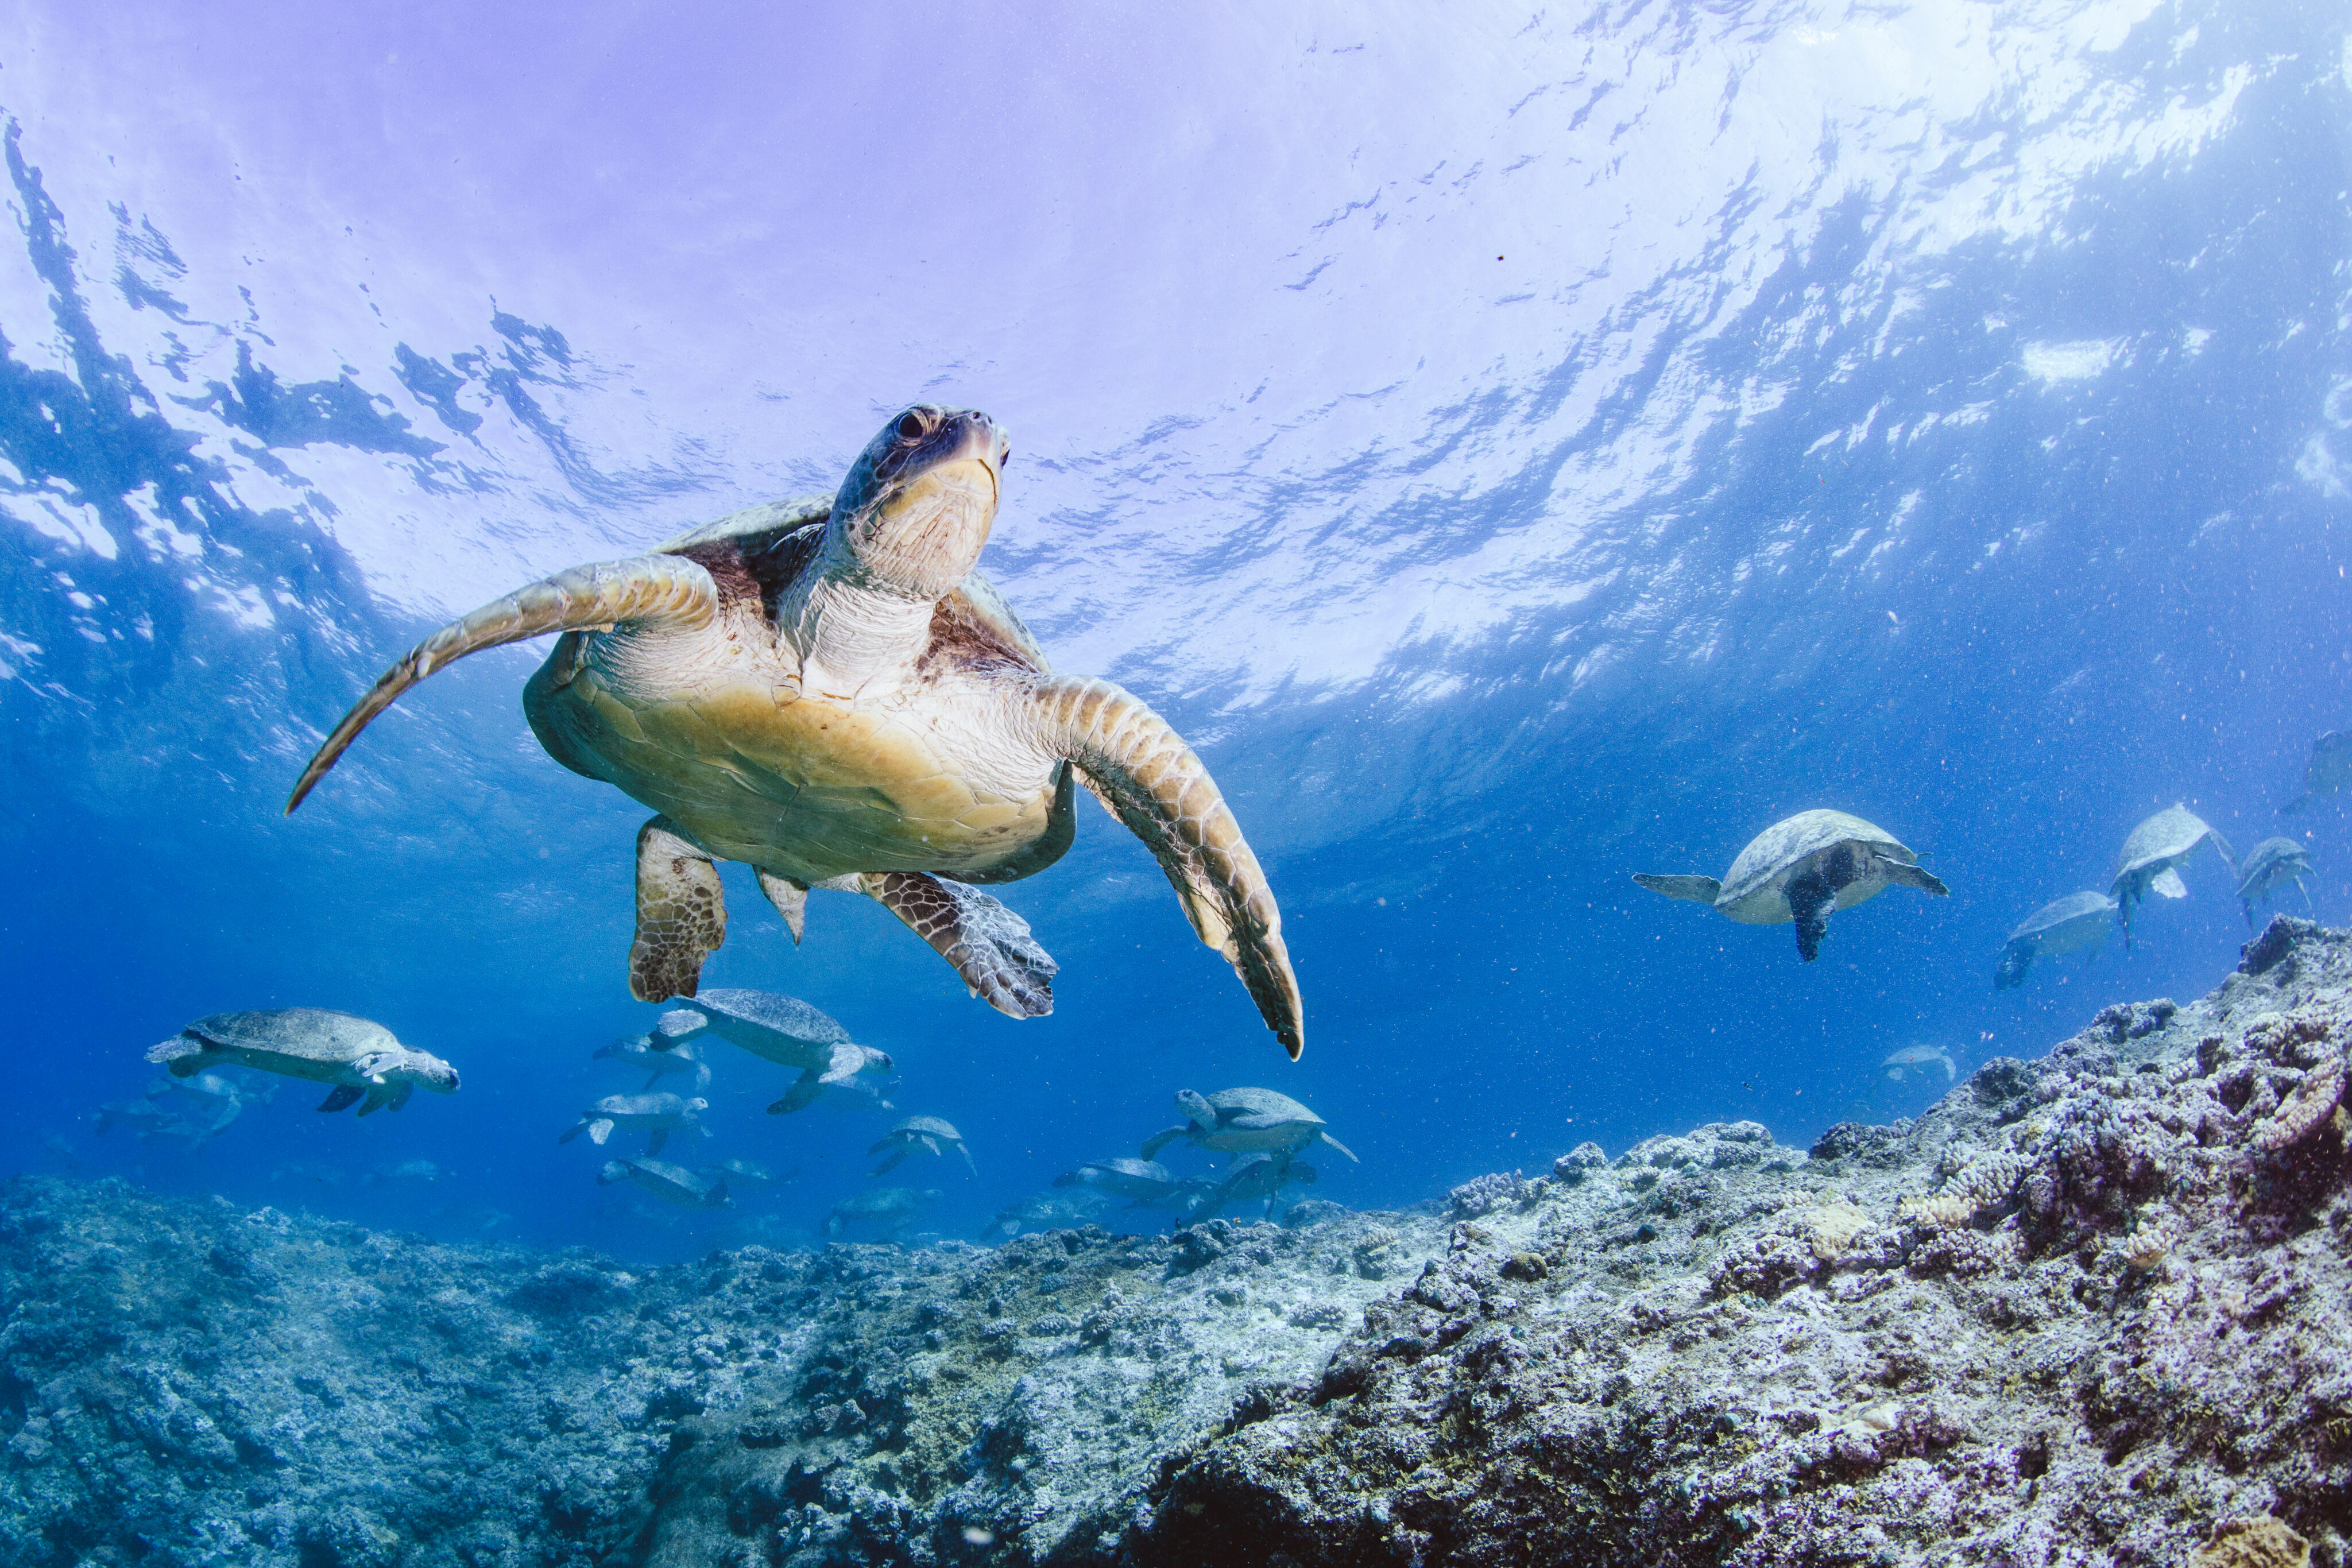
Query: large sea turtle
{"points": [[2329, 769], [827, 690], [1801, 869], [1147, 1183], [2149, 860], [783, 1029], [2269, 867], [1244, 1120], [2067, 924], [358, 1057]]}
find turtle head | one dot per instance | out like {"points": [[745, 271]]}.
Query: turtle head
{"points": [[918, 504], [1196, 1105], [430, 1072]]}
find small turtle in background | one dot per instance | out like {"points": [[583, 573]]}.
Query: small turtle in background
{"points": [[2067, 925], [1801, 869], [1147, 1183], [671, 1183], [1916, 1058], [147, 1120], [658, 1116], [2269, 867], [2329, 769], [678, 1061], [1047, 1210], [748, 1173], [1253, 1178], [357, 1056], [888, 1208], [1244, 1120], [919, 1133], [783, 1029], [2150, 859]]}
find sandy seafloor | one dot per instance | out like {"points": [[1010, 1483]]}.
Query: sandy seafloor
{"points": [[2090, 1308]]}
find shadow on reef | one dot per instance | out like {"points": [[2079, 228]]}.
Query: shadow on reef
{"points": [[2088, 1307]]}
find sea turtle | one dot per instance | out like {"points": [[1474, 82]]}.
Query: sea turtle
{"points": [[891, 1209], [827, 690], [146, 1120], [637, 1050], [671, 1183], [1253, 1179], [658, 1116], [2329, 769], [2149, 860], [2068, 924], [1244, 1120], [1801, 869], [778, 1029], [748, 1173], [1147, 1183], [1047, 1210], [1916, 1057], [2268, 868], [357, 1056], [919, 1133]]}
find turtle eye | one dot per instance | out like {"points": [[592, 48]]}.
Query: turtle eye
{"points": [[913, 426]]}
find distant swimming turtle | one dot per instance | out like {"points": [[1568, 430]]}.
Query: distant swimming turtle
{"points": [[1801, 869], [2329, 769], [1244, 1120], [671, 1183], [2150, 858], [1253, 1179], [748, 1173], [890, 1209], [779, 1029], [2269, 868], [1916, 1057], [657, 1116], [678, 1061], [919, 1133], [1047, 1210], [146, 1120], [827, 690], [1147, 1183], [2068, 924], [357, 1056]]}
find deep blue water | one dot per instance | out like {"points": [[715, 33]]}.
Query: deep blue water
{"points": [[1941, 415]]}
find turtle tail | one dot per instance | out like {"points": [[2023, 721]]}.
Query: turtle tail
{"points": [[664, 588]]}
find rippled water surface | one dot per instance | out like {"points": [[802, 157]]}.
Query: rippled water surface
{"points": [[1518, 448]]}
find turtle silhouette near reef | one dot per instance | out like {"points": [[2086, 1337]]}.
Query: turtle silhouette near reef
{"points": [[1801, 869], [2065, 924], [2329, 769], [2270, 867], [828, 691]]}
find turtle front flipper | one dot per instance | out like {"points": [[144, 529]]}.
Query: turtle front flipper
{"points": [[1161, 1139], [1695, 889], [1812, 893], [801, 1095], [681, 913], [339, 1097], [652, 589], [791, 898], [1328, 1138], [987, 945], [1142, 771]]}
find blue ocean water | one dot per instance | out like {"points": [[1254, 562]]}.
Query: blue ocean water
{"points": [[1517, 451]]}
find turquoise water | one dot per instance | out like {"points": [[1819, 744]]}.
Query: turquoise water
{"points": [[1516, 451]]}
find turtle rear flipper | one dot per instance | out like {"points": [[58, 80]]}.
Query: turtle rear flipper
{"points": [[681, 912], [891, 1161], [343, 1095], [656, 1141], [987, 945], [1144, 774], [2168, 882], [1695, 889]]}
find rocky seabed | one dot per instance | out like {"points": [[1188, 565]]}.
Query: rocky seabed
{"points": [[2091, 1309]]}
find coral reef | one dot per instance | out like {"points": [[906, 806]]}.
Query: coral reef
{"points": [[2087, 1309]]}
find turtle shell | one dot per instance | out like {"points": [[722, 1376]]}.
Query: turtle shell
{"points": [[1753, 888], [2058, 921], [788, 1017], [1258, 1108], [2164, 840], [300, 1034], [2271, 862], [927, 1126]]}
